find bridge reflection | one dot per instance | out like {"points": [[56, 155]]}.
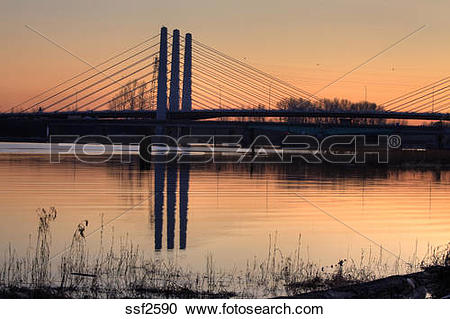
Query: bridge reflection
{"points": [[171, 174]]}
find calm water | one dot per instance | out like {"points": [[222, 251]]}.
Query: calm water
{"points": [[186, 212]]}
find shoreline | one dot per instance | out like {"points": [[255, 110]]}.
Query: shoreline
{"points": [[430, 283]]}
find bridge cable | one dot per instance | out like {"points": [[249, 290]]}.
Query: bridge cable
{"points": [[85, 72]]}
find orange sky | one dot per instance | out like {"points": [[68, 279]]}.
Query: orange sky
{"points": [[309, 43]]}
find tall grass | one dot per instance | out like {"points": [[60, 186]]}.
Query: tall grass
{"points": [[40, 267], [124, 271], [34, 268]]}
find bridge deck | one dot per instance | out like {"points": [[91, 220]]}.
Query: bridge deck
{"points": [[210, 114]]}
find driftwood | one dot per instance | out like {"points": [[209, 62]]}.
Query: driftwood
{"points": [[433, 282]]}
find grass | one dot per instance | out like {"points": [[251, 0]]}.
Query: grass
{"points": [[124, 272]]}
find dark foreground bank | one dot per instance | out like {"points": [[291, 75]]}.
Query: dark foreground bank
{"points": [[433, 282]]}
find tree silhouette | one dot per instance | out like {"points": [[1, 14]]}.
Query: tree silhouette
{"points": [[329, 105], [133, 96]]}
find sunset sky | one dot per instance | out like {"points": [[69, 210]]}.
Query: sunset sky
{"points": [[308, 43]]}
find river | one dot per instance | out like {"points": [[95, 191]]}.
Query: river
{"points": [[230, 211]]}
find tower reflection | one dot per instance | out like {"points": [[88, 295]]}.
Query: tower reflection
{"points": [[172, 175], [159, 203], [171, 183], [184, 197]]}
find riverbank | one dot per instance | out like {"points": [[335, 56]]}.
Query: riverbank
{"points": [[433, 282]]}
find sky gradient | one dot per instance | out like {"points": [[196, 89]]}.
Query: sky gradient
{"points": [[308, 43]]}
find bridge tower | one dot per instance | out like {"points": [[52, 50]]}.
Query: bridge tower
{"points": [[174, 98], [186, 104], [161, 102]]}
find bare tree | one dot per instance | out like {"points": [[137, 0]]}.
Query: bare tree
{"points": [[133, 96]]}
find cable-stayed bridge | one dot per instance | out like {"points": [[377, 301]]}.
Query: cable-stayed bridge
{"points": [[175, 77], [173, 81]]}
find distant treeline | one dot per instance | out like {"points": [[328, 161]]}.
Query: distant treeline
{"points": [[136, 96], [299, 104]]}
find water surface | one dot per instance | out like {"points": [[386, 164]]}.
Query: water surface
{"points": [[185, 212]]}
